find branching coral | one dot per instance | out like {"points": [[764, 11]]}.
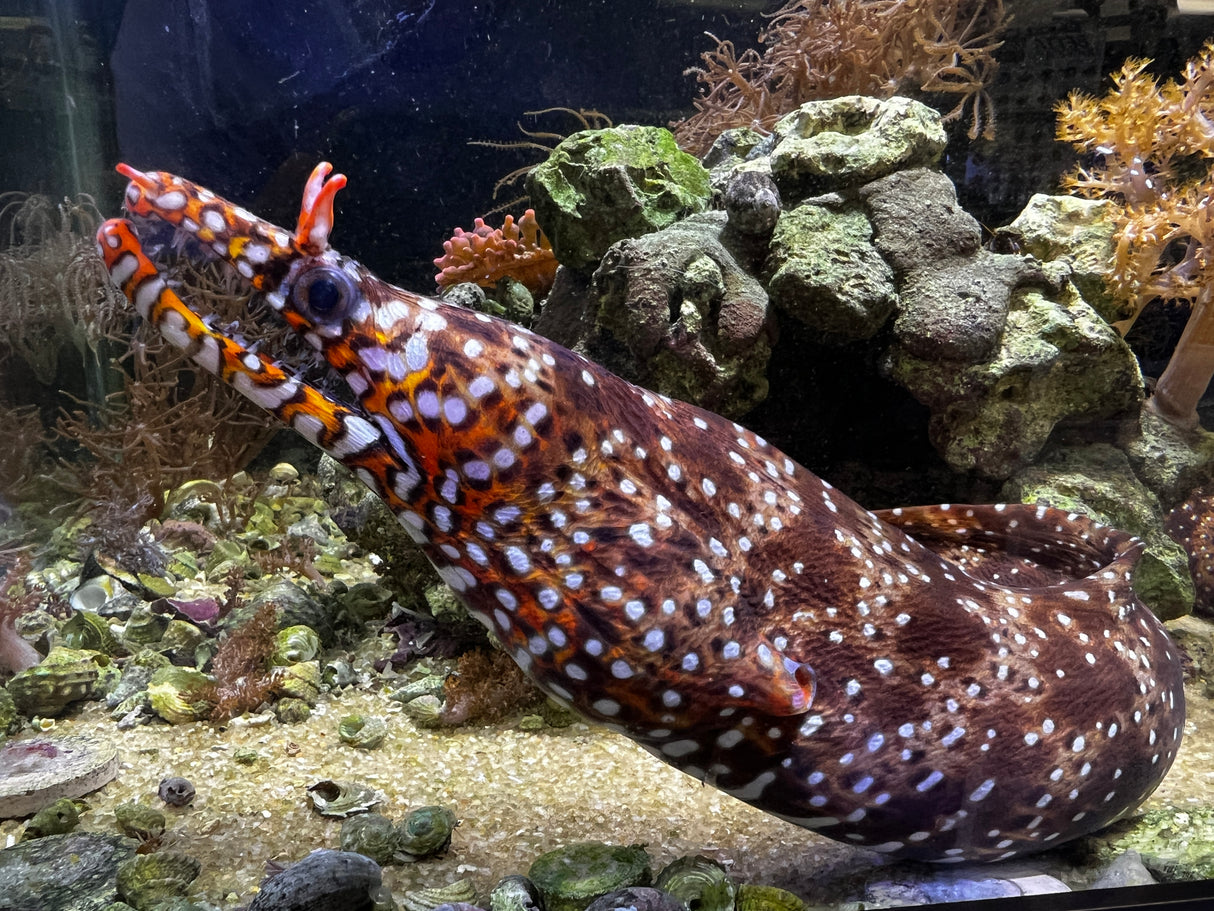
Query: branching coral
{"points": [[486, 687], [486, 255], [1152, 149], [22, 452], [820, 49]]}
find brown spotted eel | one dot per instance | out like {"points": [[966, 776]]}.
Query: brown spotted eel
{"points": [[941, 683]]}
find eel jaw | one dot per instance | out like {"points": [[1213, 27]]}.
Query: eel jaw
{"points": [[260, 251]]}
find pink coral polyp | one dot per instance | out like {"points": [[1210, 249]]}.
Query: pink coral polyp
{"points": [[484, 255]]}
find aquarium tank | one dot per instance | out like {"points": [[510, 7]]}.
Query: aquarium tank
{"points": [[682, 455]]}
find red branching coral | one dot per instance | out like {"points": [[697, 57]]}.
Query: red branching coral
{"points": [[241, 665], [1153, 155], [485, 255], [820, 49], [486, 687]]}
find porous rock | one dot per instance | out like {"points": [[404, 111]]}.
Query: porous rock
{"points": [[917, 219], [852, 140], [1079, 232], [676, 314], [955, 310], [826, 272], [1056, 360], [601, 186]]}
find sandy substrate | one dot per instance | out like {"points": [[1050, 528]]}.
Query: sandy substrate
{"points": [[516, 793]]}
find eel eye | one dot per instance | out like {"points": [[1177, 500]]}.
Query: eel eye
{"points": [[324, 294]]}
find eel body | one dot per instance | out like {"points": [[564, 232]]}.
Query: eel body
{"points": [[942, 683]]}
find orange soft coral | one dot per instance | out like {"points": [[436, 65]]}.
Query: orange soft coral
{"points": [[486, 255], [1153, 148]]}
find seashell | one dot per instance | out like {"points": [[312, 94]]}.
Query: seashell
{"points": [[338, 674], [40, 770], [284, 473], [295, 644], [699, 882], [367, 601], [181, 694], [372, 835], [64, 676], [343, 798], [322, 881], [295, 605], [136, 676], [426, 831], [37, 627], [181, 638], [290, 710], [144, 627], [363, 731], [87, 630], [767, 898], [425, 711], [59, 818], [430, 685], [176, 792], [300, 681], [637, 898], [147, 880], [92, 595], [571, 877], [137, 820], [515, 893], [460, 892]]}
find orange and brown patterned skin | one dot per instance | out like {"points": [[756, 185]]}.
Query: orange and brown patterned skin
{"points": [[668, 573]]}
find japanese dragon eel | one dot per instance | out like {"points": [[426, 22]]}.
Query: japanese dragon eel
{"points": [[942, 683]]}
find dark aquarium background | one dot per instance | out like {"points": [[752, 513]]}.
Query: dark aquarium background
{"points": [[151, 516]]}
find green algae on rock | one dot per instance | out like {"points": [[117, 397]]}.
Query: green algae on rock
{"points": [[826, 272], [1056, 360], [1079, 232], [852, 140], [1175, 843], [147, 880], [59, 818], [601, 186], [139, 821], [1096, 480]]}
